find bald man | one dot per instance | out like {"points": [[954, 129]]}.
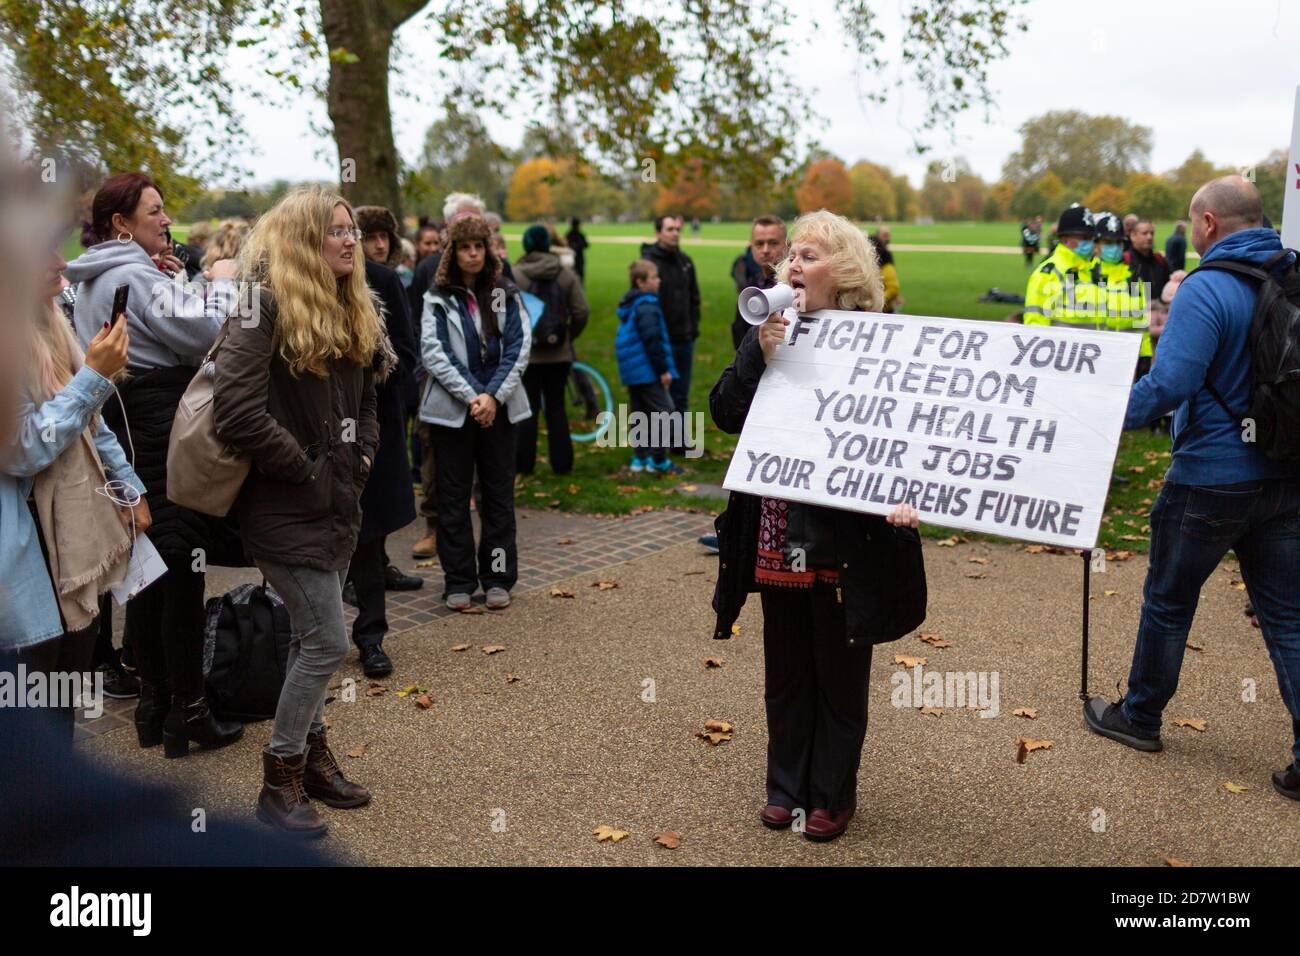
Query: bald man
{"points": [[1220, 491]]}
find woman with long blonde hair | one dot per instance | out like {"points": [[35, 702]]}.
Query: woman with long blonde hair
{"points": [[832, 583], [295, 390], [226, 241], [66, 544]]}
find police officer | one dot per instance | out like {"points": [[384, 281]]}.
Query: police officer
{"points": [[1122, 300], [1063, 290]]}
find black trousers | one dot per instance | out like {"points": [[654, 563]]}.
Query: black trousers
{"points": [[545, 387], [70, 653], [369, 562], [456, 453], [815, 690], [166, 622]]}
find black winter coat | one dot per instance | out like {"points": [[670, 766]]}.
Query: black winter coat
{"points": [[880, 566], [388, 501], [150, 400], [679, 292]]}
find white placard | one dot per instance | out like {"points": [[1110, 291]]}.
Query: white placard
{"points": [[1291, 196], [985, 426]]}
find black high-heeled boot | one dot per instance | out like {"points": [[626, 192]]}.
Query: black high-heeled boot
{"points": [[191, 720], [151, 712]]}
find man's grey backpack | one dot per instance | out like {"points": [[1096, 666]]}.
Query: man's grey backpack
{"points": [[1274, 357]]}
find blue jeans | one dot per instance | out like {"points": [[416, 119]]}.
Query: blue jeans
{"points": [[1192, 528]]}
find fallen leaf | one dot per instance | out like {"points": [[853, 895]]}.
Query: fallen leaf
{"points": [[735, 629], [1132, 537], [931, 711], [976, 575], [1027, 745], [493, 648], [374, 690], [604, 585], [539, 494], [460, 647], [1196, 723], [357, 751], [603, 833], [1110, 593], [909, 661], [1119, 555], [328, 723], [935, 640], [1174, 861], [1138, 469], [1194, 647], [690, 487], [1029, 712], [409, 690], [474, 609], [565, 541], [947, 543], [1237, 585], [554, 503], [713, 737], [668, 840], [573, 489], [1035, 548], [721, 726], [424, 702], [561, 593], [511, 678], [712, 662], [1234, 787], [979, 560], [431, 563]]}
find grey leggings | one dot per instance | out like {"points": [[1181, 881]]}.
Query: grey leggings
{"points": [[320, 642]]}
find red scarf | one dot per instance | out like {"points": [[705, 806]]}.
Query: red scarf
{"points": [[771, 568]]}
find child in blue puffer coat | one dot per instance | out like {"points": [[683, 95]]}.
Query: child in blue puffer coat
{"points": [[645, 364]]}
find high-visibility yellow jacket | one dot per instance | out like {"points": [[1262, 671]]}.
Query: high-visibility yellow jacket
{"points": [[1123, 303], [1063, 290]]}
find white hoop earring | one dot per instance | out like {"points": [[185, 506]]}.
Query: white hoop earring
{"points": [[129, 238]]}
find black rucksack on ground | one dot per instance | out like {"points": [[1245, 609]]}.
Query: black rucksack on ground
{"points": [[1274, 357], [552, 328], [246, 652]]}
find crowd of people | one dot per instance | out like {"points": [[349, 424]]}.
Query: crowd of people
{"points": [[369, 354]]}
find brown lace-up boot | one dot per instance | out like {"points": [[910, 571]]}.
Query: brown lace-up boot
{"points": [[283, 802], [324, 781]]}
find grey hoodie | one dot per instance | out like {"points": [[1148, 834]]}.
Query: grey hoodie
{"points": [[170, 323]]}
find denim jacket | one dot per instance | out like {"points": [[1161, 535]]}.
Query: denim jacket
{"points": [[29, 612]]}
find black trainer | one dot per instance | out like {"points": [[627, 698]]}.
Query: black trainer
{"points": [[374, 662], [397, 580], [1109, 721], [119, 684], [1287, 782]]}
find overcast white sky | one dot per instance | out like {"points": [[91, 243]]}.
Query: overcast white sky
{"points": [[1214, 75]]}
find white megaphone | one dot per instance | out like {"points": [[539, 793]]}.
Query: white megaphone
{"points": [[757, 304]]}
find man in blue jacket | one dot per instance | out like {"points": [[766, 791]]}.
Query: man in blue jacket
{"points": [[1220, 491]]}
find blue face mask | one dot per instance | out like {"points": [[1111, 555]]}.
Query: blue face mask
{"points": [[1112, 252], [1084, 248]]}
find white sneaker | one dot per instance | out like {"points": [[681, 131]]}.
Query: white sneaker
{"points": [[458, 602], [497, 598]]}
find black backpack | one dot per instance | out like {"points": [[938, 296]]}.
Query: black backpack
{"points": [[552, 328], [1274, 358], [246, 652]]}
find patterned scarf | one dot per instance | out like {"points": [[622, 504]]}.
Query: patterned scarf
{"points": [[771, 568]]}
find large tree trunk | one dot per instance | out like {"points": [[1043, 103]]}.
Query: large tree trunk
{"points": [[357, 96]]}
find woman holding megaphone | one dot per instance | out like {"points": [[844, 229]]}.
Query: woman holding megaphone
{"points": [[832, 583]]}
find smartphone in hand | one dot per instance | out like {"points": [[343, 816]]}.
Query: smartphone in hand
{"points": [[119, 303]]}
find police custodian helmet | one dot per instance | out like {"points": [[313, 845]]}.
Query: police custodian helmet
{"points": [[1109, 227], [1076, 221]]}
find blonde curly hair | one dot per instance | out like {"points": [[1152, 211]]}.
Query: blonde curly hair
{"points": [[854, 269], [226, 242], [319, 317]]}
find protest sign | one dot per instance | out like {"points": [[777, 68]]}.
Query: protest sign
{"points": [[983, 426]]}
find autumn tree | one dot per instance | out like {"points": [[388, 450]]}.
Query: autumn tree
{"points": [[1080, 149], [1156, 199], [1107, 198], [529, 196], [691, 192], [873, 192], [826, 185]]}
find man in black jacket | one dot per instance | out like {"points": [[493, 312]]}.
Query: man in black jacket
{"points": [[1147, 264], [756, 266], [679, 295]]}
